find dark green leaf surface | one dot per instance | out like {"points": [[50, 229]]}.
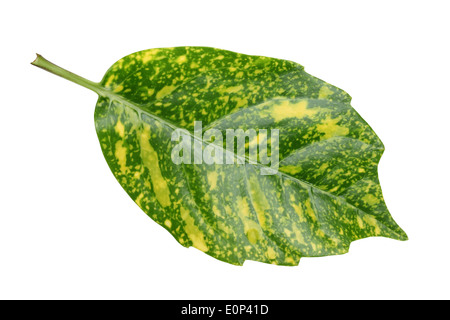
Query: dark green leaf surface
{"points": [[325, 195]]}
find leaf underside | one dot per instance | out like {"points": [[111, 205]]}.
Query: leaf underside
{"points": [[325, 195]]}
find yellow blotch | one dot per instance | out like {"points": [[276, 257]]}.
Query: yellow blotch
{"points": [[150, 160], [290, 169], [292, 110], [138, 199], [288, 232], [334, 189], [299, 235], [370, 199], [121, 155], [110, 80], [193, 232], [212, 179], [165, 91], [137, 174], [181, 59], [324, 92], [371, 221], [118, 88], [168, 223], [216, 211], [309, 210], [322, 168], [271, 254], [234, 89], [149, 55], [289, 260], [225, 228], [243, 207], [360, 222], [258, 139], [299, 211], [120, 128], [320, 233], [330, 128], [258, 199], [297, 208], [253, 236], [239, 102], [150, 92]]}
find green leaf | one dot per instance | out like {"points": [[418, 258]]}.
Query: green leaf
{"points": [[324, 195]]}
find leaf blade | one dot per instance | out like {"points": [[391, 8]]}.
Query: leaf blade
{"points": [[325, 195]]}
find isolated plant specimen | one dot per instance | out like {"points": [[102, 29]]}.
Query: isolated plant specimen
{"points": [[323, 194]]}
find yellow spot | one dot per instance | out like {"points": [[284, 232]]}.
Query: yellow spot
{"points": [[292, 110], [324, 92], [194, 65], [181, 59], [360, 222], [240, 74], [309, 210], [138, 199], [149, 55], [371, 221], [258, 199], [334, 189], [289, 260], [121, 155], [330, 128], [222, 226], [168, 223], [261, 137], [212, 179], [120, 128], [165, 91], [240, 102], [320, 233], [150, 92], [361, 170], [150, 160], [370, 199], [233, 89], [290, 169], [253, 236], [271, 254], [323, 167], [110, 80], [118, 88], [298, 210], [193, 232], [243, 207], [298, 235], [216, 211]]}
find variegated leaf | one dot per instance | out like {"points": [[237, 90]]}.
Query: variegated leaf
{"points": [[325, 195]]}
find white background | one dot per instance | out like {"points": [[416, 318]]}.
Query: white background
{"points": [[68, 230]]}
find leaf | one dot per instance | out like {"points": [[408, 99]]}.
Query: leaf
{"points": [[324, 195]]}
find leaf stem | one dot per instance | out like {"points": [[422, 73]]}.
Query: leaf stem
{"points": [[43, 63]]}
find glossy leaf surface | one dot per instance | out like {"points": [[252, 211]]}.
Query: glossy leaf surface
{"points": [[325, 195]]}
